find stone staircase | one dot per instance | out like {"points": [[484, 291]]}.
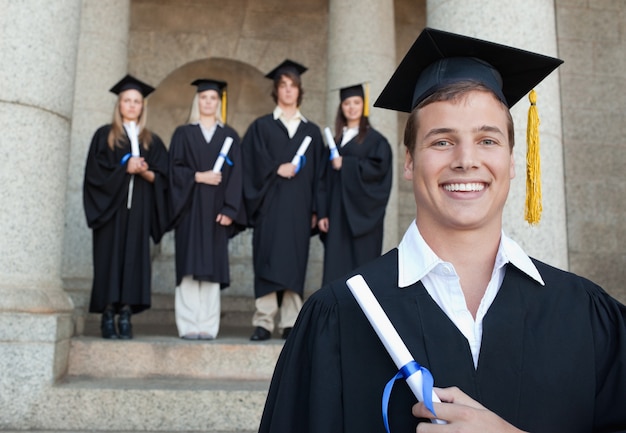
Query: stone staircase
{"points": [[159, 382]]}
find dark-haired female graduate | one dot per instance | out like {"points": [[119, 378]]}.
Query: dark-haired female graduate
{"points": [[354, 192], [207, 209], [125, 202]]}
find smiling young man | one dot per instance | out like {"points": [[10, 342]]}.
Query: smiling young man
{"points": [[512, 343], [280, 201]]}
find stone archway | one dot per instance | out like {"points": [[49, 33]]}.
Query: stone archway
{"points": [[248, 94]]}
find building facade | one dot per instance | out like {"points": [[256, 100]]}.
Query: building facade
{"points": [[60, 58]]}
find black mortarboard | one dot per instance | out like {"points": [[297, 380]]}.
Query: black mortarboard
{"points": [[438, 58], [204, 84], [347, 92], [130, 82], [286, 66]]}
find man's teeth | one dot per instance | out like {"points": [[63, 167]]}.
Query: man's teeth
{"points": [[464, 187]]}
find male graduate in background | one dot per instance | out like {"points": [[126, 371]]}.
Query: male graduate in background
{"points": [[512, 343], [280, 201]]}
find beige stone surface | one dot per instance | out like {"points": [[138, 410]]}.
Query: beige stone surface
{"points": [[591, 42]]}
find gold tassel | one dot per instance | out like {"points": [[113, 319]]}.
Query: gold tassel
{"points": [[533, 164], [366, 100], [224, 99]]}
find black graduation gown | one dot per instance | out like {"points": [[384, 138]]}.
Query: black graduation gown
{"points": [[354, 199], [279, 209], [553, 358], [201, 243], [121, 236]]}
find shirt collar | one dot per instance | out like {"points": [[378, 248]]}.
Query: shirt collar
{"points": [[218, 123], [278, 113], [416, 259]]}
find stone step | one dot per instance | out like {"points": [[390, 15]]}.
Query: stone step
{"points": [[231, 356], [159, 382], [152, 404]]}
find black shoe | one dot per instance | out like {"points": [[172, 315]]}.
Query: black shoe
{"points": [[124, 326], [286, 333], [260, 334], [107, 325]]}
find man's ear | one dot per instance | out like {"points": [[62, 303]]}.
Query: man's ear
{"points": [[408, 165]]}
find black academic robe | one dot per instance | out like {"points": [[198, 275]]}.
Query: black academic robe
{"points": [[121, 236], [553, 357], [202, 243], [354, 200], [280, 209]]}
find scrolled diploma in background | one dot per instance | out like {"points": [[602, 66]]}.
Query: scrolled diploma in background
{"points": [[331, 143], [301, 151], [133, 135], [219, 162], [387, 334]]}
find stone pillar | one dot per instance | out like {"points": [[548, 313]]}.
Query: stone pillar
{"points": [[361, 47], [102, 60], [38, 57], [529, 25]]}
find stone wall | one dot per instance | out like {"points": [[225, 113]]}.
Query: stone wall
{"points": [[410, 20], [593, 44]]}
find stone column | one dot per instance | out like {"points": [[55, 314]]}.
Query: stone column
{"points": [[38, 57], [529, 25], [361, 47], [102, 60]]}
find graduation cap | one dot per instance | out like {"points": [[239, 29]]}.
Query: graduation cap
{"points": [[361, 90], [439, 58], [204, 84], [130, 82], [286, 66]]}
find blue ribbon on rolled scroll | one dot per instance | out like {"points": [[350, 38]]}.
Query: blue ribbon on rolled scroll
{"points": [[301, 163], [125, 158], [405, 372], [227, 159]]}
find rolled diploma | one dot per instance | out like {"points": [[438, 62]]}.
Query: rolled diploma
{"points": [[387, 334], [331, 142], [134, 140], [134, 151], [217, 167], [301, 150]]}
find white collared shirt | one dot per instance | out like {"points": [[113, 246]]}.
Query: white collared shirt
{"points": [[292, 123], [349, 134], [417, 261], [208, 133]]}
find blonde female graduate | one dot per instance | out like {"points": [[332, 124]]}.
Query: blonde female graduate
{"points": [[207, 209], [124, 197]]}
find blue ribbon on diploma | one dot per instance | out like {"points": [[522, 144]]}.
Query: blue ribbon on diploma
{"points": [[227, 159], [125, 158], [333, 154], [405, 372], [301, 163]]}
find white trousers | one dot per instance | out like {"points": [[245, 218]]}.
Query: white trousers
{"points": [[267, 308], [197, 307]]}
